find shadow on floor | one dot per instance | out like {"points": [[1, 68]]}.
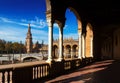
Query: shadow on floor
{"points": [[100, 72]]}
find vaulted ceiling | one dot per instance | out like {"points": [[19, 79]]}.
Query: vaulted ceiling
{"points": [[98, 12], [102, 14]]}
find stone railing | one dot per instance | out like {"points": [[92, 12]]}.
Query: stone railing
{"points": [[30, 72], [23, 72], [6, 75]]}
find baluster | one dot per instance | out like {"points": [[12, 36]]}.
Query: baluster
{"points": [[42, 71], [11, 81], [46, 70], [33, 73], [3, 77], [37, 72]]}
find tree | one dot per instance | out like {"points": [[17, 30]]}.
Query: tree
{"points": [[16, 47], [2, 45], [8, 47]]}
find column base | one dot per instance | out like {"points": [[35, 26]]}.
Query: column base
{"points": [[49, 60], [80, 57], [60, 59], [83, 57], [91, 56]]}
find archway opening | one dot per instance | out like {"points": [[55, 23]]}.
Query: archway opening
{"points": [[55, 32], [74, 26], [68, 51], [71, 25], [75, 51], [55, 50]]}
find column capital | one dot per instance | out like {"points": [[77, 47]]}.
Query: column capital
{"points": [[61, 22], [83, 34], [79, 30]]}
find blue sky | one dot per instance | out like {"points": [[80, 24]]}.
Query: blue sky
{"points": [[16, 14]]}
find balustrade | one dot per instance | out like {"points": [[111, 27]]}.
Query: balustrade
{"points": [[31, 71]]}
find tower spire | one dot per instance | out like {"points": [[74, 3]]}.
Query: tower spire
{"points": [[29, 28], [29, 40]]}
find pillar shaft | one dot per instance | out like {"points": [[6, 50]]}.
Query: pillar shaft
{"points": [[50, 42], [83, 46], [80, 47], [60, 58]]}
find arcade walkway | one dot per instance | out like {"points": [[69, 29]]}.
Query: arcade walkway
{"points": [[100, 72]]}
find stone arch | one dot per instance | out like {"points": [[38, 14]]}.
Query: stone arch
{"points": [[79, 26], [75, 50], [68, 51], [78, 19], [30, 58], [89, 40], [48, 5]]}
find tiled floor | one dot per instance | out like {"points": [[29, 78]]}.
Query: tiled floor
{"points": [[100, 72]]}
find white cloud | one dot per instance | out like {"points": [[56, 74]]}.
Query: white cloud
{"points": [[36, 23], [23, 20], [16, 34], [23, 24], [12, 34], [3, 19]]}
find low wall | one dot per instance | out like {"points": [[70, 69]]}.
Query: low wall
{"points": [[30, 72]]}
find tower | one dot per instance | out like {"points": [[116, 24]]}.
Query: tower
{"points": [[29, 43]]}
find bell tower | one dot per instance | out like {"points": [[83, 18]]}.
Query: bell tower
{"points": [[29, 43]]}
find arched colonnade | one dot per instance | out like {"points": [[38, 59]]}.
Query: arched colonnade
{"points": [[85, 37]]}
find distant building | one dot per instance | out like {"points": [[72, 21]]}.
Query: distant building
{"points": [[30, 47], [70, 46]]}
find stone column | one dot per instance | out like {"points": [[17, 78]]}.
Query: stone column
{"points": [[60, 58], [50, 41], [80, 46], [91, 50], [83, 45]]}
